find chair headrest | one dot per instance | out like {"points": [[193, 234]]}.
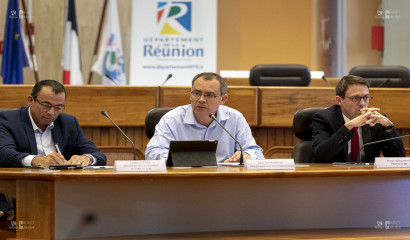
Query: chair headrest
{"points": [[279, 75], [302, 122], [383, 76]]}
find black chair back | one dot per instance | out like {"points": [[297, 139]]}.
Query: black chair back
{"points": [[302, 127], [152, 119], [279, 75], [384, 76]]}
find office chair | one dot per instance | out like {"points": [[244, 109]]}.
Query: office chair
{"points": [[279, 75], [302, 127], [152, 119], [384, 76]]}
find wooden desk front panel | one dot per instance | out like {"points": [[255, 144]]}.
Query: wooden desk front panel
{"points": [[243, 99], [277, 105], [127, 105]]}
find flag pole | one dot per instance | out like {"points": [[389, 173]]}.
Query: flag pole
{"points": [[33, 55], [97, 42]]}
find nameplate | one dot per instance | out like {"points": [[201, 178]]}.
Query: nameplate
{"points": [[270, 164], [392, 162], [140, 166]]}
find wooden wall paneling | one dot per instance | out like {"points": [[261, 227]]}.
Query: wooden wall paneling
{"points": [[113, 136], [14, 96], [393, 103], [124, 104], [245, 100], [277, 105], [104, 136]]}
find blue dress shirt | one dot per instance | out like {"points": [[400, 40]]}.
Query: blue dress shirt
{"points": [[180, 124]]}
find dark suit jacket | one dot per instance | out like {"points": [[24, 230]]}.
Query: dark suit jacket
{"points": [[17, 139], [330, 138]]}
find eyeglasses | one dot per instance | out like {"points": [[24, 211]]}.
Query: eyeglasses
{"points": [[48, 106], [208, 95], [358, 99]]}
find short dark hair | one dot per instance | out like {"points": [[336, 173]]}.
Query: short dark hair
{"points": [[55, 86], [211, 76], [347, 80]]}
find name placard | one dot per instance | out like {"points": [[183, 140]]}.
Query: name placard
{"points": [[270, 164], [140, 166], [392, 162]]}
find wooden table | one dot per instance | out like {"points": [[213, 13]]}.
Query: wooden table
{"points": [[91, 203], [302, 234]]}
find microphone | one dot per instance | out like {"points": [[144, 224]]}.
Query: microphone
{"points": [[359, 158], [166, 80], [103, 112], [211, 115], [110, 78], [384, 82], [325, 79]]}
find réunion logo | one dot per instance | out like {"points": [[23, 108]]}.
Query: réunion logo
{"points": [[174, 17]]}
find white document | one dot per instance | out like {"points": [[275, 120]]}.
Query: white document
{"points": [[140, 166], [392, 162], [270, 164]]}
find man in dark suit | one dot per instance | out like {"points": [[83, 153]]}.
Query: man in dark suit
{"points": [[41, 135], [335, 128]]}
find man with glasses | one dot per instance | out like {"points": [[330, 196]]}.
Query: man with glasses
{"points": [[41, 135], [192, 122], [340, 130]]}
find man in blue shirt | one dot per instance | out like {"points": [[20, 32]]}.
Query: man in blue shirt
{"points": [[192, 122]]}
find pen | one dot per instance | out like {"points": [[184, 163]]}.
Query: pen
{"points": [[58, 149]]}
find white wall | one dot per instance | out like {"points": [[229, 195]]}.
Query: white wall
{"points": [[396, 17]]}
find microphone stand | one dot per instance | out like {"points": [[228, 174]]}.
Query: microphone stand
{"points": [[103, 112], [241, 157], [359, 158]]}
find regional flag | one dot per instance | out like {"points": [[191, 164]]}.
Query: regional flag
{"points": [[110, 59], [71, 61], [14, 58]]}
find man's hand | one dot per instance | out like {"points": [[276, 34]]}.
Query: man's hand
{"points": [[376, 117], [82, 160], [236, 157], [51, 159]]}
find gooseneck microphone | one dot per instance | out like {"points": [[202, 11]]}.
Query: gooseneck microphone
{"points": [[166, 80], [211, 115], [359, 157], [325, 79], [110, 78], [103, 112]]}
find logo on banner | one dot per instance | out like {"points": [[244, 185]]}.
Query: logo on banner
{"points": [[174, 17], [113, 64]]}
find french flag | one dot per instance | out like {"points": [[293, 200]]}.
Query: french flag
{"points": [[71, 61]]}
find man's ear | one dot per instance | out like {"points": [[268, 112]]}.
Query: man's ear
{"points": [[339, 99], [224, 98], [30, 100]]}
